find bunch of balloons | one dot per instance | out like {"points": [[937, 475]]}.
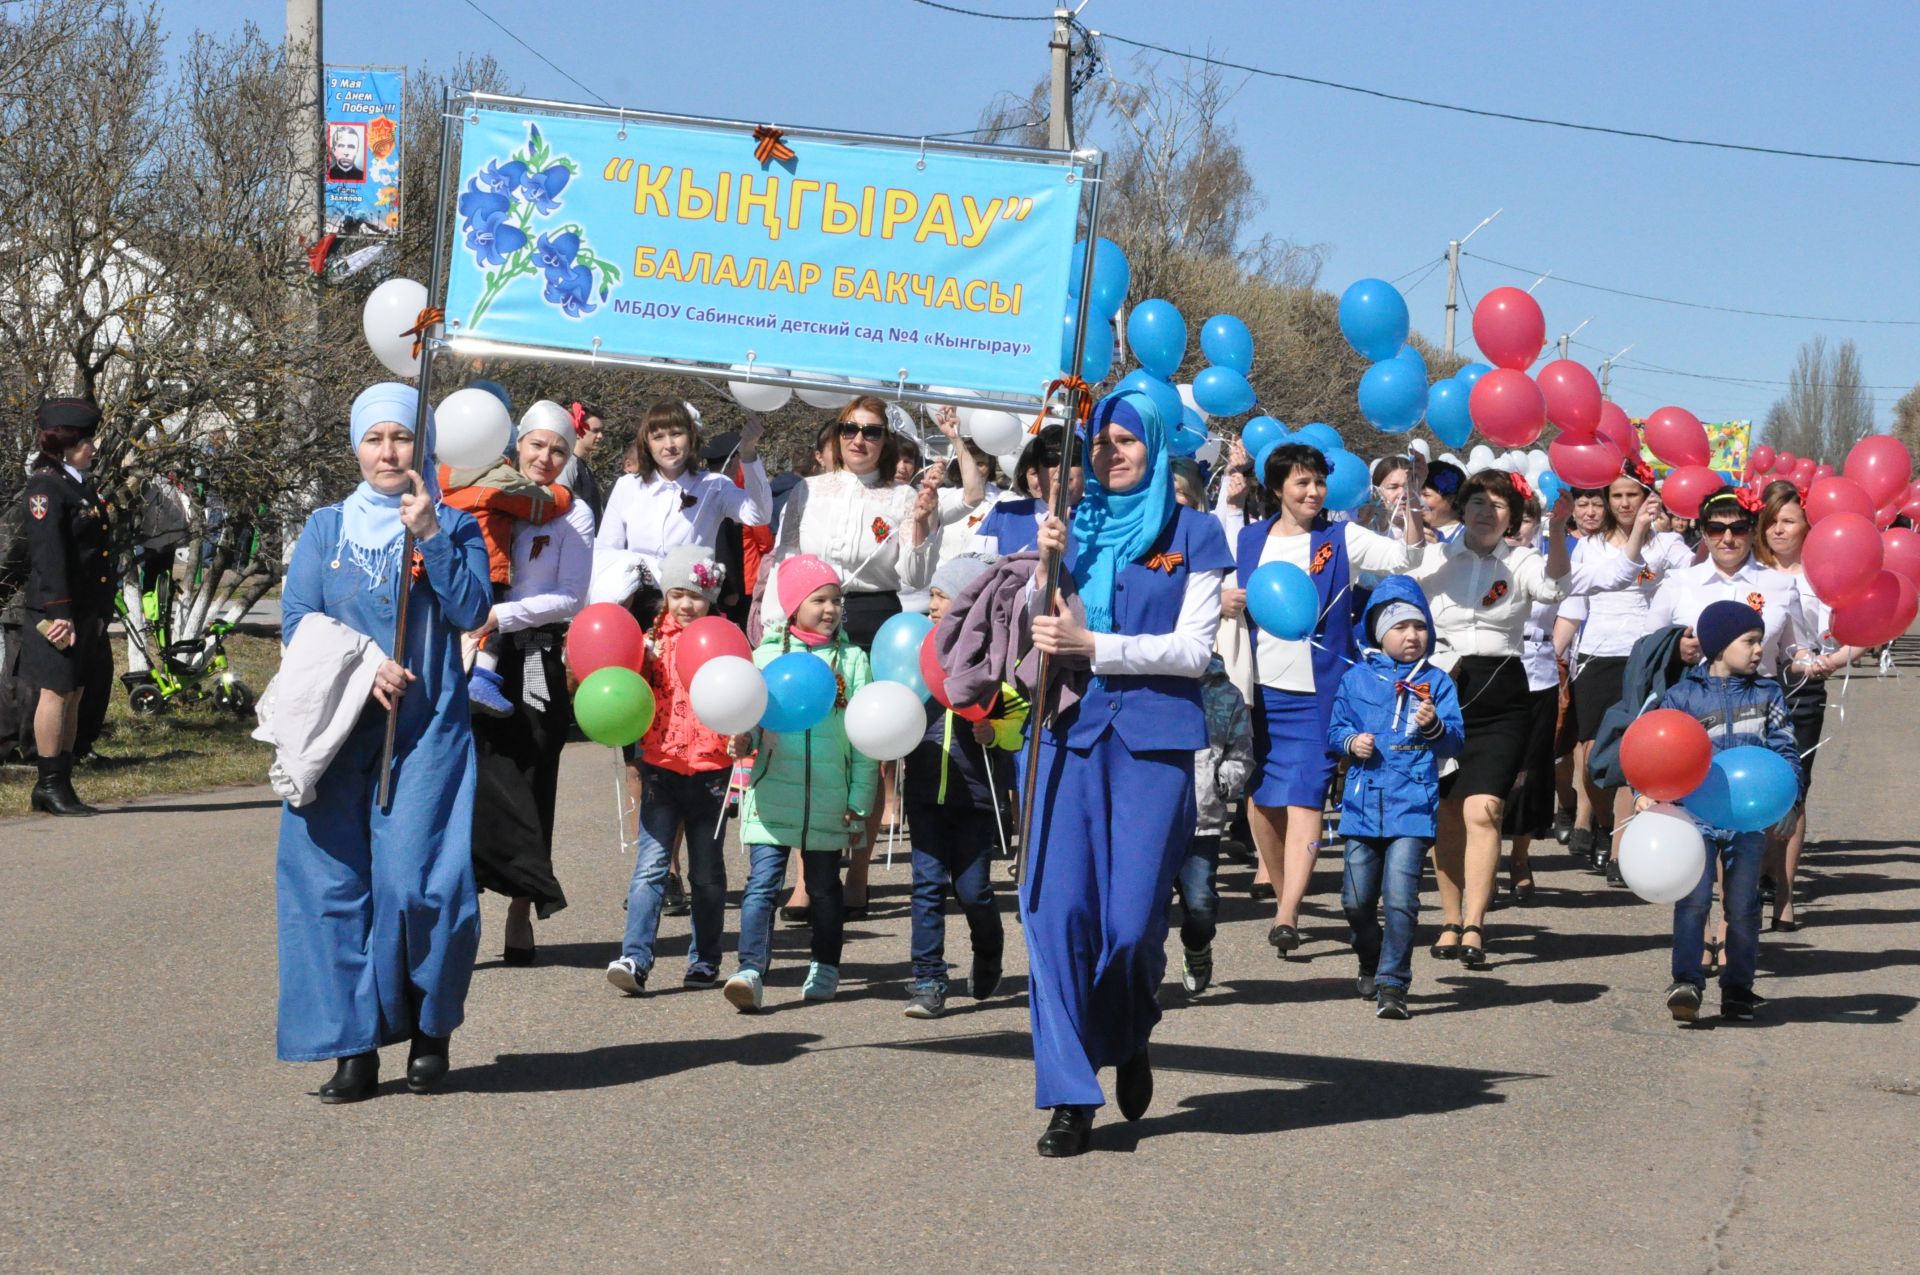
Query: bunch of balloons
{"points": [[1862, 566], [1393, 392], [1112, 276], [605, 651]]}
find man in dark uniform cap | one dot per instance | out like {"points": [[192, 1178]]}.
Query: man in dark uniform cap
{"points": [[69, 592]]}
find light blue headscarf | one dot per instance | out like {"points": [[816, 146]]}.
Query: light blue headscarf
{"points": [[1115, 528], [370, 529]]}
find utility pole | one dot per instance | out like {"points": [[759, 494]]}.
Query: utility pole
{"points": [[1606, 372], [303, 55], [1566, 338], [1453, 275], [1060, 111]]}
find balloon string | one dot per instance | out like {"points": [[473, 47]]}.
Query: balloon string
{"points": [[622, 803]]}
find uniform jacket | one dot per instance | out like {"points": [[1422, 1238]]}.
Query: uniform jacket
{"points": [[1737, 712], [805, 783], [69, 547]]}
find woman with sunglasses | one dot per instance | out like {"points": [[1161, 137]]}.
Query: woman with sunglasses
{"points": [[1730, 571]]}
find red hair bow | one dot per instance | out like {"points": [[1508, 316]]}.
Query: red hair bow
{"points": [[1520, 485]]}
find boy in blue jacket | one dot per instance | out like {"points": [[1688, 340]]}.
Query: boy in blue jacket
{"points": [[1725, 694], [1394, 717]]}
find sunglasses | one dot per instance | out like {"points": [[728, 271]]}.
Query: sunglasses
{"points": [[1744, 527], [872, 433]]}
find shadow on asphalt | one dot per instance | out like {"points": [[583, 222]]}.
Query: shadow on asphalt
{"points": [[627, 1064], [192, 808]]}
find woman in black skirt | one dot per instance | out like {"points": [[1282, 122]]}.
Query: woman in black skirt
{"points": [[1482, 590], [1530, 807]]}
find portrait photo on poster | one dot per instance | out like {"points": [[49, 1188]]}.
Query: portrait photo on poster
{"points": [[346, 152]]}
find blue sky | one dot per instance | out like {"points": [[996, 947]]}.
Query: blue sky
{"points": [[1385, 184]]}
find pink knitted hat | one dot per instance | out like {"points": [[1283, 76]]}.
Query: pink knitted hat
{"points": [[799, 577]]}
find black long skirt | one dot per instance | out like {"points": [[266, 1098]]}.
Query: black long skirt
{"points": [[1530, 810], [1495, 707], [518, 779]]}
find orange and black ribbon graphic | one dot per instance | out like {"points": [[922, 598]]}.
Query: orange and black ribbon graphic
{"points": [[426, 319], [1421, 689], [1498, 591], [1758, 601], [769, 145], [1320, 560], [1166, 562], [1069, 384]]}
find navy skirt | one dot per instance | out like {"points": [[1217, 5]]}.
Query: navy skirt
{"points": [[1290, 748]]}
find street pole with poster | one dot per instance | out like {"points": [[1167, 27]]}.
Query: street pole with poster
{"points": [[364, 159]]}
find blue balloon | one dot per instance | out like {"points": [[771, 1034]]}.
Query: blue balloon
{"points": [[1111, 275], [1227, 343], [1189, 438], [1414, 357], [896, 651], [1347, 481], [1470, 373], [1260, 457], [1393, 393], [1447, 414], [1373, 318], [1097, 359], [1157, 335], [1549, 488], [1221, 391], [1747, 789], [1282, 600], [1159, 389], [800, 692], [1259, 432], [1321, 435]]}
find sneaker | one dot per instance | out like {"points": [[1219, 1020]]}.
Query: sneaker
{"points": [[983, 980], [1683, 1002], [1366, 985], [822, 982], [1390, 1002], [1196, 969], [627, 976], [487, 693], [926, 999], [1738, 1003], [700, 976], [1613, 873], [676, 901], [744, 991]]}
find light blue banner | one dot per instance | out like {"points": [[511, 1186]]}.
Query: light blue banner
{"points": [[363, 150], [676, 242]]}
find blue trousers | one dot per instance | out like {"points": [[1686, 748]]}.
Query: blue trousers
{"points": [[668, 800], [1384, 869], [1199, 900], [952, 850], [1739, 855], [1094, 900]]}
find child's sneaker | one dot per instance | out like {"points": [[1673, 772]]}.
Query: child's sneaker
{"points": [[984, 979], [1366, 984], [627, 976], [822, 982], [1196, 969], [1389, 1001], [926, 999], [1738, 1003], [744, 992], [676, 897], [487, 693], [700, 976], [1683, 1002]]}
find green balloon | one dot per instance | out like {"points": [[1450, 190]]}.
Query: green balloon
{"points": [[614, 706]]}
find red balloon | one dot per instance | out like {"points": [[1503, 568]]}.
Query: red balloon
{"points": [[1783, 463], [935, 677], [1665, 754], [1902, 552], [1509, 329], [1881, 613], [1881, 466], [1573, 397], [1507, 407], [1761, 461], [1676, 436], [1687, 486], [1837, 496], [1912, 508], [1802, 476], [1618, 430], [1842, 555], [604, 635], [1592, 464], [705, 638], [1822, 471]]}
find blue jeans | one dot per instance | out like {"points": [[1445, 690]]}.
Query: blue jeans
{"points": [[1739, 855], [669, 800], [952, 848], [1199, 901], [1384, 869], [766, 869]]}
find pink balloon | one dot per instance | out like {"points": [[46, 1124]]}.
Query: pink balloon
{"points": [[604, 635], [1882, 612], [1618, 430], [1902, 553], [1842, 556], [1573, 397], [1509, 329], [1883, 519], [1761, 461], [1676, 436], [1783, 463], [1822, 471], [1837, 496], [1802, 476], [1592, 464], [1881, 466], [1687, 486], [1507, 406]]}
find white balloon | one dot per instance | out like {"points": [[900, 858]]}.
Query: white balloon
{"points": [[728, 694], [391, 309], [471, 429], [1420, 445], [997, 432], [825, 398], [885, 720], [1009, 465], [1662, 855], [550, 416], [753, 395], [1186, 396], [1209, 451], [1452, 459]]}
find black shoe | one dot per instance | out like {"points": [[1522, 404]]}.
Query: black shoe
{"points": [[926, 999], [676, 901], [1767, 888], [984, 979], [700, 976], [1683, 1002], [1068, 1133], [1196, 969], [517, 955], [1285, 938], [1580, 844], [796, 916], [1785, 927], [1738, 1003], [1522, 891], [1367, 986], [53, 794], [1473, 955], [1390, 1003], [1133, 1085], [1260, 890], [1562, 826], [1613, 873], [1446, 951], [353, 1080], [854, 912], [426, 1063]]}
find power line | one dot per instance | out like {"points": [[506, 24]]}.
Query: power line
{"points": [[976, 13], [1423, 278], [1638, 366], [515, 37], [1406, 274], [1693, 305]]}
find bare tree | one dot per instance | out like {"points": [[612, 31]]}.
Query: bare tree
{"points": [[1827, 407], [1906, 421]]}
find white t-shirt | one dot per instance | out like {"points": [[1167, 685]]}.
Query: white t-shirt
{"points": [[1288, 666]]}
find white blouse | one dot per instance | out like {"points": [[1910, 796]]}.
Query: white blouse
{"points": [[1288, 665], [861, 529], [649, 516], [1774, 594], [1613, 595], [1536, 647], [1481, 604], [552, 564]]}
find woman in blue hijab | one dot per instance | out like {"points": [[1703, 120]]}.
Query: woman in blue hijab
{"points": [[1114, 812], [379, 920]]}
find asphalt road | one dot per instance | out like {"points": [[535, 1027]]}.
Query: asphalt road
{"points": [[1544, 1114]]}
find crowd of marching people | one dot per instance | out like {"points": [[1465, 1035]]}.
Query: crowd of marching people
{"points": [[1455, 696]]}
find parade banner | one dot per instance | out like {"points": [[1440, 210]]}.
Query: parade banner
{"points": [[363, 150], [705, 243], [1729, 442]]}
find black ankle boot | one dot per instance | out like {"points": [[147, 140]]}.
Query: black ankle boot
{"points": [[1068, 1133], [53, 794], [1133, 1085], [355, 1078], [426, 1063]]}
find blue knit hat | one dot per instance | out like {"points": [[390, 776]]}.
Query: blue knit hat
{"points": [[1722, 622]]}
